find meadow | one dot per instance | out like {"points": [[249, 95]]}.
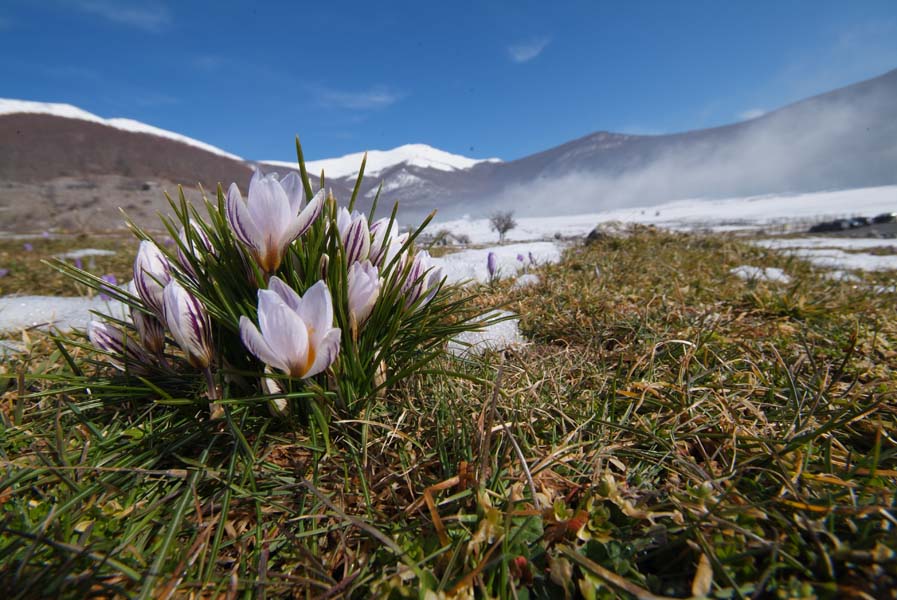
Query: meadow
{"points": [[668, 431]]}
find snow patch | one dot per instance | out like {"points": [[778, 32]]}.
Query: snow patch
{"points": [[470, 265], [750, 273], [526, 280], [85, 253], [498, 336], [45, 312], [732, 214], [9, 106]]}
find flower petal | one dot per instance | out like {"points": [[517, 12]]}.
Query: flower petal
{"points": [[316, 310], [240, 219], [292, 185], [151, 273], [256, 344], [306, 218], [285, 332], [357, 241], [188, 323], [270, 210], [324, 352], [286, 293]]}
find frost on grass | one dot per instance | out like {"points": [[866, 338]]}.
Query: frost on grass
{"points": [[749, 273], [498, 336]]}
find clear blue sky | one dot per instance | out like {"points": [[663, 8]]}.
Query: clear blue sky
{"points": [[482, 79]]}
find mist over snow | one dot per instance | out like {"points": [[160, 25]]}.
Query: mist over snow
{"points": [[816, 149]]}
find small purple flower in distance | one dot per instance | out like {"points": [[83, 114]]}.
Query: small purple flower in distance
{"points": [[491, 265], [27, 246], [79, 264], [520, 258], [4, 272], [46, 234], [110, 279]]}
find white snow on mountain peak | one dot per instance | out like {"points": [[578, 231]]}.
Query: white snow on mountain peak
{"points": [[10, 106], [414, 155]]}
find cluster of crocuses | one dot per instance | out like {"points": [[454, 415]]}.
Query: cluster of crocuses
{"points": [[292, 332]]}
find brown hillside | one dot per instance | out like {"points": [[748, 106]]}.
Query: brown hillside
{"points": [[36, 147]]}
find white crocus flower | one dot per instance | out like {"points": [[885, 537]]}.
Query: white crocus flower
{"points": [[188, 322], [198, 241], [386, 242], [271, 217], [423, 281], [364, 289], [150, 329], [152, 272], [113, 340], [295, 333], [355, 234]]}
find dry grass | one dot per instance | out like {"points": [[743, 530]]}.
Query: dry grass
{"points": [[670, 431]]}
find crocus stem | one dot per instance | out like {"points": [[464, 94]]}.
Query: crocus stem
{"points": [[215, 408]]}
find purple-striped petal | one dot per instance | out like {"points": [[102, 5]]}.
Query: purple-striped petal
{"points": [[357, 241], [151, 273], [239, 218], [113, 340], [188, 323], [150, 330], [286, 293], [310, 213]]}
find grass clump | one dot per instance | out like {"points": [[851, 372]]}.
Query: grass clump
{"points": [[671, 431]]}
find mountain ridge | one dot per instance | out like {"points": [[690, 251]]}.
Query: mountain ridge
{"points": [[841, 139]]}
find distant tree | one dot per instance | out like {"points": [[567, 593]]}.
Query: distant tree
{"points": [[502, 221]]}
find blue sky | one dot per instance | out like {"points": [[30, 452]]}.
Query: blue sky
{"points": [[482, 79]]}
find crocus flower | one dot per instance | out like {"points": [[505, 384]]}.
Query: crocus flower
{"points": [[4, 272], [113, 340], [191, 244], [491, 265], [364, 289], [520, 258], [27, 246], [152, 272], [110, 279], [295, 333], [271, 217], [79, 264], [188, 323], [423, 279], [150, 330], [385, 245], [355, 234]]}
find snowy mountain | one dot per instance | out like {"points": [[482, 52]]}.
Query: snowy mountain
{"points": [[10, 106], [63, 166], [420, 156]]}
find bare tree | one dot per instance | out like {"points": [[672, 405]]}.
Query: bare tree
{"points": [[502, 221]]}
